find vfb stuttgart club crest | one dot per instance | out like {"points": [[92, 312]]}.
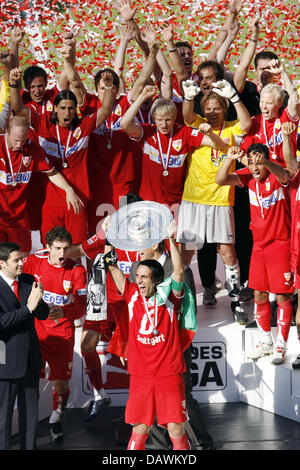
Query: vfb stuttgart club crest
{"points": [[67, 285], [26, 160]]}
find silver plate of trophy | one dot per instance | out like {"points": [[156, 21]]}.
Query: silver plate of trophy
{"points": [[139, 225]]}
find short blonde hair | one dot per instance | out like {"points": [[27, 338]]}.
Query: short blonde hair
{"points": [[17, 121], [276, 90], [164, 107]]}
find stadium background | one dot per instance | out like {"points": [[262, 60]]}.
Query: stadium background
{"points": [[97, 24]]}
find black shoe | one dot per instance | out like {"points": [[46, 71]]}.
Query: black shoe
{"points": [[56, 432], [239, 314], [209, 447], [95, 406], [296, 363], [253, 324]]}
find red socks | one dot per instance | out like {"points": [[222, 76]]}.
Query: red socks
{"points": [[263, 314], [60, 401], [181, 443], [137, 441], [284, 319], [93, 368]]}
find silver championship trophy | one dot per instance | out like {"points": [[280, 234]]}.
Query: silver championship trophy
{"points": [[139, 225]]}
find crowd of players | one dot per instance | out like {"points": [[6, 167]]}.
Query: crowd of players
{"points": [[218, 149]]}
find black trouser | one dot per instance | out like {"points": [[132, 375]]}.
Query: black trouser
{"points": [[26, 390], [207, 263]]}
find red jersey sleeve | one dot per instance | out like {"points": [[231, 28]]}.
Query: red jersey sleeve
{"points": [[91, 104], [78, 308], [194, 136], [93, 246], [244, 176], [250, 136], [41, 162]]}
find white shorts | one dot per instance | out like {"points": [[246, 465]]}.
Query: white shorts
{"points": [[198, 222]]}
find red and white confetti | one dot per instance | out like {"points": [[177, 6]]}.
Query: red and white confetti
{"points": [[97, 24]]}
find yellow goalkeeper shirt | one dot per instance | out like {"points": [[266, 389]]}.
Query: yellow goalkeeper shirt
{"points": [[203, 164]]}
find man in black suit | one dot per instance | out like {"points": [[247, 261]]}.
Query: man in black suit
{"points": [[20, 357], [195, 427]]}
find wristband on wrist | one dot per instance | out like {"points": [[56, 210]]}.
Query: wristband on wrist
{"points": [[13, 85], [108, 87], [234, 98], [172, 50], [253, 40], [188, 99], [176, 285]]}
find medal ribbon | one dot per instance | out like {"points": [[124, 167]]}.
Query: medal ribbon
{"points": [[215, 152], [63, 154], [14, 179], [266, 137], [161, 152]]}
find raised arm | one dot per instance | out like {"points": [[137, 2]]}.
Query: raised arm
{"points": [[5, 107], [109, 96], [162, 69], [69, 40], [293, 105], [287, 128], [224, 89], [241, 72], [17, 104], [126, 34], [190, 90], [71, 73], [17, 34], [178, 266], [223, 176], [146, 72], [117, 275], [127, 121], [227, 34], [127, 14], [175, 59]]}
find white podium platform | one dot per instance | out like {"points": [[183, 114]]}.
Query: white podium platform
{"points": [[220, 369]]}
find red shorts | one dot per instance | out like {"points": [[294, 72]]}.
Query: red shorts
{"points": [[104, 328], [18, 231], [60, 359], [76, 224], [270, 268], [160, 396]]}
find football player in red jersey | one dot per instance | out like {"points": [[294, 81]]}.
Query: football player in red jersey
{"points": [[65, 139], [64, 284], [271, 228], [155, 353], [19, 157], [93, 331]]}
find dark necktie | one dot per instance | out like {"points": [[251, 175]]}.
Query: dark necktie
{"points": [[16, 289]]}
